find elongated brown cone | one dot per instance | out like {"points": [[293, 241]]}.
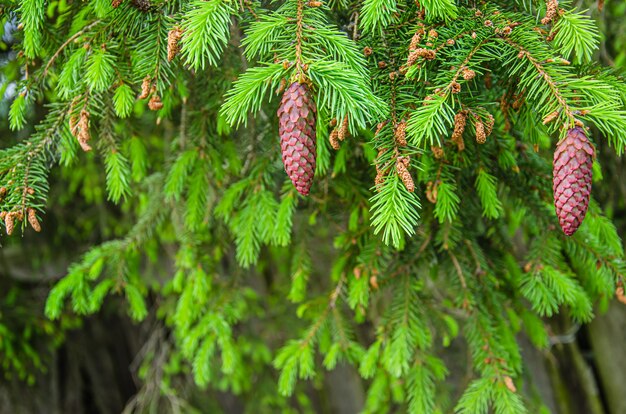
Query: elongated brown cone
{"points": [[573, 161], [296, 117]]}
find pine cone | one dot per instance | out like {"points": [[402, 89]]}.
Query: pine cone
{"points": [[296, 116], [573, 161]]}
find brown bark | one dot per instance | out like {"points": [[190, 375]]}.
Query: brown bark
{"points": [[607, 334]]}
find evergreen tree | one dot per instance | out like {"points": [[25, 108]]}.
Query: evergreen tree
{"points": [[431, 127]]}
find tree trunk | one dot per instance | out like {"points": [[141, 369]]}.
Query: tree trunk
{"points": [[607, 334]]}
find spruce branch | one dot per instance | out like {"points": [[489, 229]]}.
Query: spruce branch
{"points": [[61, 48], [205, 32], [575, 33], [432, 119], [549, 81], [378, 14], [32, 13], [478, 88], [299, 75]]}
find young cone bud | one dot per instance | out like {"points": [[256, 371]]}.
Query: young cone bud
{"points": [[468, 74], [437, 152], [145, 87], [417, 38], [342, 132], [552, 9], [155, 102], [173, 36], [379, 180], [573, 161], [83, 135], [460, 120], [379, 127], [481, 136], [551, 117], [296, 117], [400, 134], [32, 219], [489, 123], [9, 223], [404, 174], [455, 87], [334, 140]]}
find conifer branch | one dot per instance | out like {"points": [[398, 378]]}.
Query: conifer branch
{"points": [[479, 88], [65, 44], [298, 46], [458, 269], [569, 113], [430, 121]]}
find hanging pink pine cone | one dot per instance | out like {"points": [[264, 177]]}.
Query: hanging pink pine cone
{"points": [[296, 117], [573, 161]]}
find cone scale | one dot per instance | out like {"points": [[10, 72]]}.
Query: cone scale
{"points": [[572, 174], [296, 118]]}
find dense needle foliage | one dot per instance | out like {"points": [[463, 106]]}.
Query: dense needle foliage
{"points": [[430, 221]]}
